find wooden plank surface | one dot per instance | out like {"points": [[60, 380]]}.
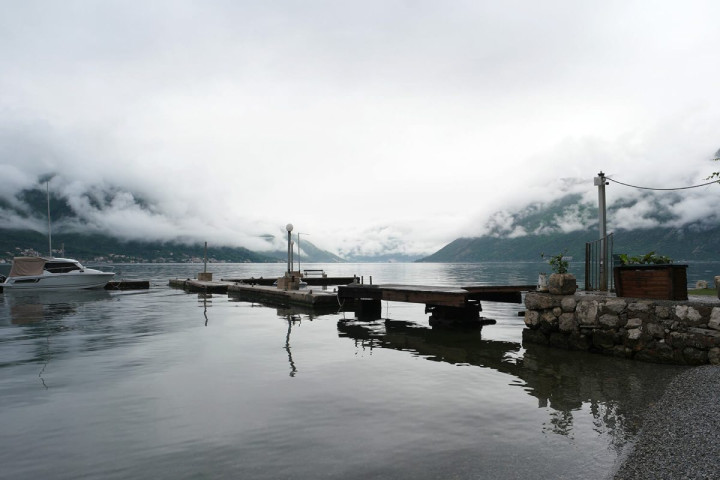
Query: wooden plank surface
{"points": [[429, 295]]}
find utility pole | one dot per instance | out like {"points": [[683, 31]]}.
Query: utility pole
{"points": [[600, 182]]}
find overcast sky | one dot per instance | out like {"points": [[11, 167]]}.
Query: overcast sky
{"points": [[367, 124]]}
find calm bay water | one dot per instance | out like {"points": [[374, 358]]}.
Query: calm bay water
{"points": [[166, 384]]}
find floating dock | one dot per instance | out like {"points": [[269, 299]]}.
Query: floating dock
{"points": [[128, 285], [432, 295], [446, 304], [308, 297], [311, 281], [201, 286]]}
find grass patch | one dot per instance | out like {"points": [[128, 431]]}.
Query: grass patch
{"points": [[703, 291]]}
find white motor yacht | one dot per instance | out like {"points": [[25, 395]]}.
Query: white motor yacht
{"points": [[42, 273]]}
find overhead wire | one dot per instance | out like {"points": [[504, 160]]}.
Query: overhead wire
{"points": [[664, 189]]}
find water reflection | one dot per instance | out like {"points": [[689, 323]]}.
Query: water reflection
{"points": [[41, 314], [291, 319], [33, 307], [203, 299], [613, 391], [41, 326]]}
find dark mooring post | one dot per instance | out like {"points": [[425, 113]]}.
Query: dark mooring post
{"points": [[600, 182]]}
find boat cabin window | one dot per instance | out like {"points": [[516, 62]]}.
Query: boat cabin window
{"points": [[61, 267]]}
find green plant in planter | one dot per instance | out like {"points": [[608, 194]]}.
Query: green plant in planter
{"points": [[560, 282], [648, 259], [557, 262]]}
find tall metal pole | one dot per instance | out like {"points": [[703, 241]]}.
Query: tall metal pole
{"points": [[602, 227], [289, 228], [47, 190], [205, 258]]}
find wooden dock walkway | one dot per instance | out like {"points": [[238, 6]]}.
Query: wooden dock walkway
{"points": [[311, 281], [447, 296], [446, 304], [308, 297]]}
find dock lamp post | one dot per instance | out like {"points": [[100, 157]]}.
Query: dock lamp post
{"points": [[289, 228]]}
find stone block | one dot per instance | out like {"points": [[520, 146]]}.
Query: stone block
{"points": [[688, 314], [548, 317], [639, 307], [633, 323], [655, 330], [609, 321], [714, 356], [587, 312], [532, 318], [614, 305], [566, 322], [541, 301], [714, 322], [568, 304], [634, 334], [662, 311], [562, 284]]}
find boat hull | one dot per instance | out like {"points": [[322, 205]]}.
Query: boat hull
{"points": [[65, 281]]}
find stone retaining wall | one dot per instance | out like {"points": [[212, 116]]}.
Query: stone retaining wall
{"points": [[658, 331]]}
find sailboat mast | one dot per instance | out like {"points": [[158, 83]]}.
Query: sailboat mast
{"points": [[47, 188]]}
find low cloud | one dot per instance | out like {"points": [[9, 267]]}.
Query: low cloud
{"points": [[375, 128]]}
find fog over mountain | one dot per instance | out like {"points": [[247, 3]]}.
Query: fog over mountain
{"points": [[376, 127], [127, 216]]}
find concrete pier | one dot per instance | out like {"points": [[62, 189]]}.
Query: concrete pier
{"points": [[193, 285], [307, 296]]}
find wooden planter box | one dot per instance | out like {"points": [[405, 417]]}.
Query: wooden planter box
{"points": [[661, 282]]}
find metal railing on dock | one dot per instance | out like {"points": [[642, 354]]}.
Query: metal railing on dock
{"points": [[598, 264]]}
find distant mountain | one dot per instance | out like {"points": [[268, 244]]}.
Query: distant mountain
{"points": [[105, 248], [568, 224], [682, 244], [23, 231], [309, 253]]}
